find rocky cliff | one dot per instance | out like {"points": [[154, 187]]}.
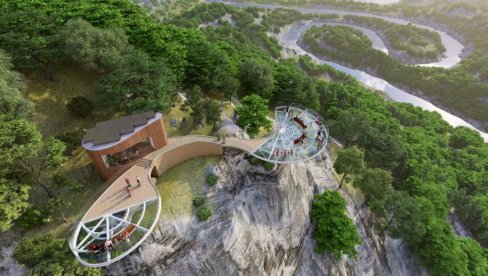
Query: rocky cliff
{"points": [[261, 226]]}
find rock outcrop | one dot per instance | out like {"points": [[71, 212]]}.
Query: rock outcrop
{"points": [[261, 226]]}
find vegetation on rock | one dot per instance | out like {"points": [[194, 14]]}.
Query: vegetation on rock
{"points": [[212, 179], [204, 213], [328, 215]]}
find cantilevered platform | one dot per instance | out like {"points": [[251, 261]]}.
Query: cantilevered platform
{"points": [[124, 221], [299, 136]]}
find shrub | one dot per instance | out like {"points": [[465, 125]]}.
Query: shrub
{"points": [[81, 106], [198, 201], [328, 215], [253, 161], [212, 179], [268, 166], [71, 139], [62, 180], [204, 213], [31, 218]]}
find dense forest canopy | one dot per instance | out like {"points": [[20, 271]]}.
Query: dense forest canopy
{"points": [[425, 166]]}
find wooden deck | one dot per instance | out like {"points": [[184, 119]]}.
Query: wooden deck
{"points": [[116, 198]]}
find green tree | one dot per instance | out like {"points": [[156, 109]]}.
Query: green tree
{"points": [[18, 139], [405, 217], [376, 186], [12, 87], [21, 148], [439, 251], [477, 255], [207, 65], [253, 114], [139, 83], [14, 200], [194, 104], [229, 87], [29, 34], [349, 161], [211, 109], [293, 86], [94, 48], [49, 157], [334, 231], [350, 126], [47, 255], [257, 78], [462, 137]]}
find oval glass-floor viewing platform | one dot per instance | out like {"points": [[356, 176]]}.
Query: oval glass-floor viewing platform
{"points": [[119, 221], [299, 136]]}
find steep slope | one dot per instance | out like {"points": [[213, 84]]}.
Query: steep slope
{"points": [[261, 226]]}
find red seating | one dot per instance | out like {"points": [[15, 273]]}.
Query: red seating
{"points": [[299, 139], [300, 122], [123, 235]]}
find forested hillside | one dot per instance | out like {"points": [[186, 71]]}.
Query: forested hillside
{"points": [[418, 168], [462, 88]]}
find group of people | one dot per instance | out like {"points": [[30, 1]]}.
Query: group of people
{"points": [[128, 187], [109, 244], [284, 152], [128, 155]]}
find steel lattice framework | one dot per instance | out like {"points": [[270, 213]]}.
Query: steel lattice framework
{"points": [[299, 136], [140, 219]]}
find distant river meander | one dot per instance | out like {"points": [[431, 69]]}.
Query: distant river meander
{"points": [[452, 56]]}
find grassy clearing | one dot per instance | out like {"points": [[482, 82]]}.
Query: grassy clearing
{"points": [[178, 114], [179, 185], [52, 118], [50, 99]]}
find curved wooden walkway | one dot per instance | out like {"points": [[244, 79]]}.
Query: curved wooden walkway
{"points": [[116, 201], [116, 198]]}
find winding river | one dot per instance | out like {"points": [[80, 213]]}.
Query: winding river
{"points": [[289, 38], [376, 41]]}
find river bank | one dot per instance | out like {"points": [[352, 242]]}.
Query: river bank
{"points": [[474, 123], [289, 37], [379, 41]]}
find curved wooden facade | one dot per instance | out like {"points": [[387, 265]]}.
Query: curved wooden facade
{"points": [[154, 133]]}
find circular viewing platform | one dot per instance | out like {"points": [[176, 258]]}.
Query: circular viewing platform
{"points": [[299, 136]]}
